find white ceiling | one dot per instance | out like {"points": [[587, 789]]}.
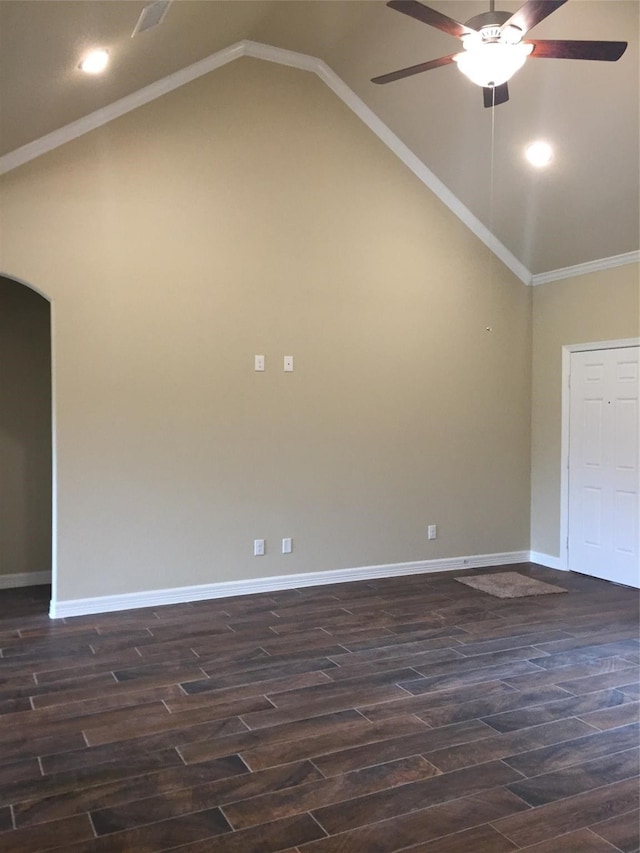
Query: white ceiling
{"points": [[582, 209]]}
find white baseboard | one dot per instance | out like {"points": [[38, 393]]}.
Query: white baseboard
{"points": [[547, 560], [179, 595], [24, 579]]}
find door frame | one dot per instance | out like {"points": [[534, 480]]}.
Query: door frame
{"points": [[46, 576], [567, 350]]}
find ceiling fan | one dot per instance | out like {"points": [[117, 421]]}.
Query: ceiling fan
{"points": [[493, 45]]}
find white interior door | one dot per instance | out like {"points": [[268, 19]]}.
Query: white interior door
{"points": [[604, 480]]}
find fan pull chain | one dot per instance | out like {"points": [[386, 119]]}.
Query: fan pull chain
{"points": [[493, 146], [491, 203]]}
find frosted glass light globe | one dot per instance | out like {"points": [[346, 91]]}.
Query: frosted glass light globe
{"points": [[492, 63]]}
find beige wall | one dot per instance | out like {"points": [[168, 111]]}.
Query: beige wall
{"points": [[251, 212], [601, 306], [25, 430]]}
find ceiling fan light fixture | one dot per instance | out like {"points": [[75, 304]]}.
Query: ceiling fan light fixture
{"points": [[492, 63]]}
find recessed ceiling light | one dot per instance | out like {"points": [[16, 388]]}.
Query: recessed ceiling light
{"points": [[95, 61], [539, 154]]}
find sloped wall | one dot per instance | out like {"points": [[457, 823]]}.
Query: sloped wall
{"points": [[251, 212]]}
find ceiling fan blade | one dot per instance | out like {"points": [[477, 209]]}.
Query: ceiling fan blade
{"points": [[606, 51], [493, 96], [413, 69], [532, 13], [430, 16]]}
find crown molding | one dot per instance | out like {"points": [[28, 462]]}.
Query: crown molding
{"points": [[294, 60], [304, 62], [393, 142], [118, 108], [588, 267]]}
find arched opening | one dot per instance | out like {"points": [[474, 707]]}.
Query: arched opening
{"points": [[25, 444]]}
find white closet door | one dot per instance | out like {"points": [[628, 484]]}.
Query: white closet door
{"points": [[604, 443]]}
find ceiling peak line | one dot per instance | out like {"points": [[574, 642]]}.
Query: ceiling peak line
{"points": [[395, 144], [256, 50], [301, 61], [426, 176], [125, 105], [103, 116]]}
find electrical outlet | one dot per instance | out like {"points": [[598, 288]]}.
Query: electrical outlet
{"points": [[258, 362], [432, 532], [258, 547]]}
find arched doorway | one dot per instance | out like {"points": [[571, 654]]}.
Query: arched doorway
{"points": [[25, 436]]}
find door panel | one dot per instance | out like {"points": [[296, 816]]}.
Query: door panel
{"points": [[604, 480], [623, 522], [592, 416]]}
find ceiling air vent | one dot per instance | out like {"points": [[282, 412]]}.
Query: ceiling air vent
{"points": [[151, 16]]}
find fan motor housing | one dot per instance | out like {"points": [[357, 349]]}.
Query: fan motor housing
{"points": [[488, 19], [491, 27]]}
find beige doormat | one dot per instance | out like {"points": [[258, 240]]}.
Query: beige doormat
{"points": [[510, 585]]}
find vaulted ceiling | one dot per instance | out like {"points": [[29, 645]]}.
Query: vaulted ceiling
{"points": [[581, 209]]}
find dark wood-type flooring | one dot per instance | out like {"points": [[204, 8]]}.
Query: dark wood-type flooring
{"points": [[408, 713]]}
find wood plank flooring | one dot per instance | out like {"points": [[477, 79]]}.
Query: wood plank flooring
{"points": [[412, 714]]}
